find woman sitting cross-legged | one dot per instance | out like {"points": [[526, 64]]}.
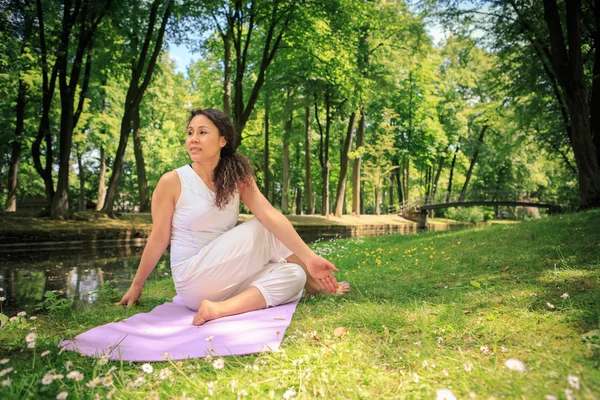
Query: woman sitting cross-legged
{"points": [[219, 268]]}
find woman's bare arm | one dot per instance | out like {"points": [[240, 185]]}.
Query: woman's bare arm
{"points": [[164, 198]]}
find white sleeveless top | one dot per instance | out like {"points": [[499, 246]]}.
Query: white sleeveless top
{"points": [[197, 220]]}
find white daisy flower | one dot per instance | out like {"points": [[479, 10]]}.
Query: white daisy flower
{"points": [[31, 345], [164, 373], [4, 361], [62, 396], [550, 305], [110, 394], [139, 382], [233, 383], [417, 343], [68, 364], [153, 395], [515, 365], [30, 337], [289, 393], [75, 375], [485, 350], [57, 377], [47, 379], [415, 377], [21, 314], [445, 372], [569, 394], [1, 290], [102, 360], [33, 318], [503, 349], [6, 382], [5, 371], [208, 358], [107, 380], [111, 370], [565, 296], [468, 366], [208, 339], [445, 394], [573, 382], [219, 363], [166, 356], [92, 383], [550, 397], [45, 353], [147, 368], [2, 299]]}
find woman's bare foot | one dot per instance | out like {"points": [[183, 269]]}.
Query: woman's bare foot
{"points": [[207, 311], [313, 289]]}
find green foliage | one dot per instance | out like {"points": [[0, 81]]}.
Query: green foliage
{"points": [[53, 302], [469, 214]]}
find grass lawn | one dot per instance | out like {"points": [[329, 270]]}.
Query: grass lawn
{"points": [[427, 312]]}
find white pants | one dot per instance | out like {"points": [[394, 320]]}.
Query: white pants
{"points": [[247, 255]]}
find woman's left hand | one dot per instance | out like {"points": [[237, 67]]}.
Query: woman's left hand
{"points": [[320, 269]]}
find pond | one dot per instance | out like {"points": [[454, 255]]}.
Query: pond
{"points": [[75, 270]]}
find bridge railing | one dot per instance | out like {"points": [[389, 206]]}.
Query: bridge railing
{"points": [[475, 195]]}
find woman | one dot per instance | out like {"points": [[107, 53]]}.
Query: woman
{"points": [[220, 269]]}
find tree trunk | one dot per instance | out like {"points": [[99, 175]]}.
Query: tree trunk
{"points": [[310, 208], [266, 155], [140, 165], [567, 62], [341, 188], [397, 175], [406, 177], [101, 180], [324, 152], [227, 38], [436, 180], [15, 157], [463, 192], [81, 206], [135, 92], [68, 90], [357, 209], [451, 175], [286, 154], [299, 200]]}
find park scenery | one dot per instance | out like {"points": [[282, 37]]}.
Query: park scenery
{"points": [[443, 155]]}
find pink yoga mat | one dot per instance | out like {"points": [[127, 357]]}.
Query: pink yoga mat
{"points": [[168, 329]]}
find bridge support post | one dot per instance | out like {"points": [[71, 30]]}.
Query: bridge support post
{"points": [[423, 219]]}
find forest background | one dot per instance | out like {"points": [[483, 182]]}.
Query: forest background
{"points": [[344, 106]]}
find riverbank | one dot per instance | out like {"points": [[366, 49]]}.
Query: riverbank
{"points": [[86, 228], [505, 311]]}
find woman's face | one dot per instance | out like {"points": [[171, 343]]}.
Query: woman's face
{"points": [[203, 141]]}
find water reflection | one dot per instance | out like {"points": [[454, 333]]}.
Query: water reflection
{"points": [[76, 270], [26, 275]]}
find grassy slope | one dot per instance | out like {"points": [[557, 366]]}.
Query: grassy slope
{"points": [[413, 327]]}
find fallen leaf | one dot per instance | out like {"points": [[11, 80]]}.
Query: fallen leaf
{"points": [[339, 331]]}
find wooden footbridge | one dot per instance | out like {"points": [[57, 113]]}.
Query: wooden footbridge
{"points": [[418, 209]]}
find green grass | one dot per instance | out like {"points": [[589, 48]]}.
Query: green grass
{"points": [[474, 299]]}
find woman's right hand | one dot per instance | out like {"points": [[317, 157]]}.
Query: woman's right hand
{"points": [[132, 295]]}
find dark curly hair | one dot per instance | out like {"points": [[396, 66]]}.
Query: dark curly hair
{"points": [[233, 167]]}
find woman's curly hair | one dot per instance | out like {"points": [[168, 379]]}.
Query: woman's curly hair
{"points": [[233, 167]]}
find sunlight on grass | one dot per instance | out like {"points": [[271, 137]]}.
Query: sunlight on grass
{"points": [[485, 312]]}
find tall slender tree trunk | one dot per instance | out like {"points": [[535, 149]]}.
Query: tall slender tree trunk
{"points": [[463, 192], [15, 157], [357, 209], [436, 180], [286, 154], [341, 188], [101, 180], [397, 175], [310, 208], [81, 206], [135, 93], [449, 193], [406, 177], [266, 154], [227, 38], [140, 165]]}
